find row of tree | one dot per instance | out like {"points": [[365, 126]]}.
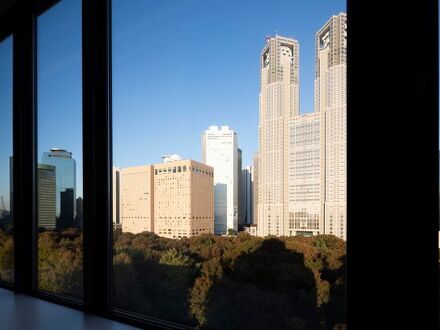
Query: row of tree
{"points": [[207, 281]]}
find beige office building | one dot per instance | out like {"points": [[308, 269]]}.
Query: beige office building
{"points": [[279, 102], [330, 101], [183, 199], [136, 198]]}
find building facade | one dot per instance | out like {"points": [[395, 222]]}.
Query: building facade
{"points": [[136, 199], [330, 101], [183, 199], [220, 150], [305, 165], [46, 192], [279, 102], [65, 168]]}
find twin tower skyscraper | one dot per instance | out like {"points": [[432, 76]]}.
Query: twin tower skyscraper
{"points": [[300, 166]]}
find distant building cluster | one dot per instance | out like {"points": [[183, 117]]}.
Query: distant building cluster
{"points": [[295, 186], [297, 183], [58, 207]]}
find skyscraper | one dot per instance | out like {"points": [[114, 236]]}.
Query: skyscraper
{"points": [[330, 101], [219, 150], [65, 168], [46, 194], [279, 102]]}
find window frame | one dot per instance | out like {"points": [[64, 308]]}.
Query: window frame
{"points": [[19, 19]]}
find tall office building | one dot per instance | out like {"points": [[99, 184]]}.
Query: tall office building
{"points": [[115, 194], [136, 199], [66, 219], [279, 102], [65, 168], [247, 184], [305, 174], [46, 194], [330, 101], [183, 199], [219, 150]]}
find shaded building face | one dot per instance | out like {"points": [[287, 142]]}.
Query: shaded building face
{"points": [[65, 172], [79, 213], [46, 196], [67, 209]]}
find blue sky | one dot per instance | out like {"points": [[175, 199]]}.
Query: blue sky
{"points": [[179, 66]]}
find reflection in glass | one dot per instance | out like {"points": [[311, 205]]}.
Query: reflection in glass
{"points": [[6, 183], [59, 168]]}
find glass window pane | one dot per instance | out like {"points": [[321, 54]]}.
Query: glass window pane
{"points": [[252, 235], [59, 170], [6, 220]]}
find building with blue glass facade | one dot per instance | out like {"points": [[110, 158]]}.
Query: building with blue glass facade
{"points": [[65, 172]]}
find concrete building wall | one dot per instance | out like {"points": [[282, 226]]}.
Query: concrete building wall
{"points": [[136, 199]]}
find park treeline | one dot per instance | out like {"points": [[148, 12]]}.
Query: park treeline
{"points": [[207, 281]]}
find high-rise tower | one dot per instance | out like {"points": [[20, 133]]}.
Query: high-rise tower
{"points": [[219, 150], [279, 102], [65, 172], [330, 101]]}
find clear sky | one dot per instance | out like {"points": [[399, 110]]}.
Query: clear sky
{"points": [[179, 66]]}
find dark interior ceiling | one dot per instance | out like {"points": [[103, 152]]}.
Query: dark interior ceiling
{"points": [[6, 4]]}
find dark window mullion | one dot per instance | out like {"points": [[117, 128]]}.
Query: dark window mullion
{"points": [[96, 154], [24, 151]]}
